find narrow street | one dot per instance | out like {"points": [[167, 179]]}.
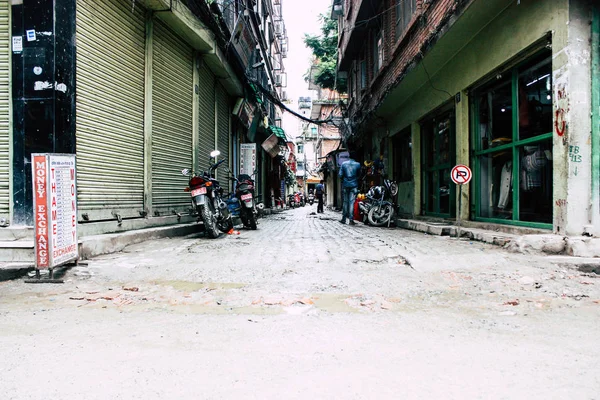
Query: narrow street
{"points": [[304, 308]]}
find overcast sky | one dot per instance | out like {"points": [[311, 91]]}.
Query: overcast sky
{"points": [[300, 16]]}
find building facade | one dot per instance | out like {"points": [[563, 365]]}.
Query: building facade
{"points": [[138, 90], [509, 88]]}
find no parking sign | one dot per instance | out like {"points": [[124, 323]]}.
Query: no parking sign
{"points": [[461, 174]]}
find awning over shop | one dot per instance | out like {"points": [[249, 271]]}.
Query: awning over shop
{"points": [[279, 132]]}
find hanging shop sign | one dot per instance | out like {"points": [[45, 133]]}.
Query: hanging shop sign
{"points": [[247, 158], [243, 40], [244, 111], [271, 145], [55, 209]]}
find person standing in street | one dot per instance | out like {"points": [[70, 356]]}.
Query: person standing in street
{"points": [[349, 173], [320, 192]]}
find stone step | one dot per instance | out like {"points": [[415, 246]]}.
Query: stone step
{"points": [[16, 233], [16, 250]]}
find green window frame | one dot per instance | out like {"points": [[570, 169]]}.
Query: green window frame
{"points": [[513, 147], [438, 149]]}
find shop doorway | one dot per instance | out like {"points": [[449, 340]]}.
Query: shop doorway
{"points": [[438, 134]]}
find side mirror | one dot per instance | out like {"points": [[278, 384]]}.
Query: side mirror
{"points": [[185, 172]]}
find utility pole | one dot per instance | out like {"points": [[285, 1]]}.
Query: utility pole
{"points": [[305, 166]]}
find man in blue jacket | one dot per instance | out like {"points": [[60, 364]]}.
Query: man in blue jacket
{"points": [[349, 173]]}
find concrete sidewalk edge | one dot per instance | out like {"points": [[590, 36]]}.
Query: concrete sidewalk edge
{"points": [[91, 246], [548, 243]]}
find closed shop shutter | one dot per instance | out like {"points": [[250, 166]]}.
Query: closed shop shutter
{"points": [[4, 108], [110, 108], [171, 119], [206, 116], [223, 121]]}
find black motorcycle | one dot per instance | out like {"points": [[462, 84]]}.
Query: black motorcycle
{"points": [[207, 199], [244, 192], [377, 208], [291, 201]]}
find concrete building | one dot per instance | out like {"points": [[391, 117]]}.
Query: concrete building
{"points": [[138, 90], [509, 88], [327, 107]]}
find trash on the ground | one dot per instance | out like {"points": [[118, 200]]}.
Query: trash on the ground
{"points": [[132, 289], [512, 303]]}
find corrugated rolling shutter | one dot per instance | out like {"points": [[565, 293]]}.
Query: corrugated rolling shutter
{"points": [[110, 108], [206, 116], [4, 108], [223, 130], [171, 119], [223, 122]]}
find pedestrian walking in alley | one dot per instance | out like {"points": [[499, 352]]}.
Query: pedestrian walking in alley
{"points": [[320, 192], [349, 173]]}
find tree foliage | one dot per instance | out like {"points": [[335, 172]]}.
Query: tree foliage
{"points": [[324, 48]]}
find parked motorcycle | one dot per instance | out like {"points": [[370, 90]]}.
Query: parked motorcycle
{"points": [[311, 198], [302, 199], [207, 198], [297, 199], [244, 191], [381, 205], [291, 201]]}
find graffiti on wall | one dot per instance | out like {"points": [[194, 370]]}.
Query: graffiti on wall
{"points": [[574, 154], [561, 109]]}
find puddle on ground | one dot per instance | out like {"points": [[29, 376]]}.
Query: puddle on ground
{"points": [[332, 302], [187, 286]]}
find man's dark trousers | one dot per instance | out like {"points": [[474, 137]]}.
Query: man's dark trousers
{"points": [[320, 203]]}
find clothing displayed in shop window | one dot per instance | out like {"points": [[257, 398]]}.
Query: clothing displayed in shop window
{"points": [[505, 185], [531, 175], [531, 170]]}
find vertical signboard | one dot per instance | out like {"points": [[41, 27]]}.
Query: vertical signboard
{"points": [[247, 158], [55, 209], [40, 210]]}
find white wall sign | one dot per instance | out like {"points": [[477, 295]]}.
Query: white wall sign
{"points": [[17, 44], [247, 158], [31, 35], [55, 209]]}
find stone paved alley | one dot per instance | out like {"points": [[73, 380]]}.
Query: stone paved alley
{"points": [[305, 308]]}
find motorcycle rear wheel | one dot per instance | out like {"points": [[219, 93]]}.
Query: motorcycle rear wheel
{"points": [[210, 225], [380, 214], [252, 221]]}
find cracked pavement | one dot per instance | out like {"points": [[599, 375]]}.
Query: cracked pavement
{"points": [[305, 307]]}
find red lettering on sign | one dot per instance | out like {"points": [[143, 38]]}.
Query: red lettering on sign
{"points": [[41, 217]]}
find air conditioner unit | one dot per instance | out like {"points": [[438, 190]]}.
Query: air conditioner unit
{"points": [[338, 10]]}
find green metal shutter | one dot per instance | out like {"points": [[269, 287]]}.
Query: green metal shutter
{"points": [[206, 116], [223, 121], [110, 108], [4, 108], [171, 119]]}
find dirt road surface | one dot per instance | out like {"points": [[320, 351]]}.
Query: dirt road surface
{"points": [[305, 308]]}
